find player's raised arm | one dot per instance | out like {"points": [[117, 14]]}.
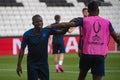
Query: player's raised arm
{"points": [[62, 30], [73, 23], [62, 25]]}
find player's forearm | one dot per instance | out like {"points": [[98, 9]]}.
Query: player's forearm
{"points": [[63, 25], [71, 29], [118, 40], [116, 37], [20, 57], [63, 30]]}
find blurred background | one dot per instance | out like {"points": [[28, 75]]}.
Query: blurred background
{"points": [[16, 18]]}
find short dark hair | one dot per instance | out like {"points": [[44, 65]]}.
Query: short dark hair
{"points": [[56, 16], [84, 9], [93, 6], [37, 15]]}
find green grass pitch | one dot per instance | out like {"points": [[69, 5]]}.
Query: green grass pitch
{"points": [[70, 65]]}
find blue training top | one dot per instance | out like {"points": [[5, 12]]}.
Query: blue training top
{"points": [[57, 38], [37, 45]]}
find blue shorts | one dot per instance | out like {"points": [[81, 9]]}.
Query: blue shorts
{"points": [[93, 62], [38, 72], [58, 48]]}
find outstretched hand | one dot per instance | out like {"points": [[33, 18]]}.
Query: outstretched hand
{"points": [[19, 70], [74, 19]]}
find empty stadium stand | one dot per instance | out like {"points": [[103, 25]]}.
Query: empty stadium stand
{"points": [[56, 3], [15, 15], [9, 3], [100, 2]]}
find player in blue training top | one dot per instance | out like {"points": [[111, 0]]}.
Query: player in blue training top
{"points": [[58, 46], [37, 41]]}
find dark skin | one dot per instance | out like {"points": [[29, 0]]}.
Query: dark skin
{"points": [[72, 24], [38, 24], [114, 35]]}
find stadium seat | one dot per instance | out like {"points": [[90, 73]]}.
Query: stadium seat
{"points": [[9, 3], [100, 2], [15, 15]]}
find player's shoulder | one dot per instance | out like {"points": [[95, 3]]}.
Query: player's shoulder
{"points": [[78, 18], [46, 29], [103, 19], [54, 23], [106, 21], [29, 31]]}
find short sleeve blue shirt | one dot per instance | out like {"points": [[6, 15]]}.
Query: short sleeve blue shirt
{"points": [[37, 45], [57, 38]]}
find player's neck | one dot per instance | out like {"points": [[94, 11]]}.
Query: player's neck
{"points": [[36, 31], [93, 13]]}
